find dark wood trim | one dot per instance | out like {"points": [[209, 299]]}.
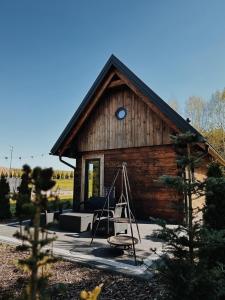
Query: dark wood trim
{"points": [[116, 83]]}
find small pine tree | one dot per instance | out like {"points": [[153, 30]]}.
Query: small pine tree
{"points": [[24, 192], [214, 211], [182, 273], [213, 232], [23, 198], [37, 237], [187, 159], [4, 198]]}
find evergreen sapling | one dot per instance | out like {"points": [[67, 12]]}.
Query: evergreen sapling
{"points": [[37, 237], [180, 271]]}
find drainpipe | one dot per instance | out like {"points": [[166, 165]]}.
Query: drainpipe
{"points": [[66, 163], [71, 166]]}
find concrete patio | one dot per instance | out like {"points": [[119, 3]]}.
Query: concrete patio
{"points": [[76, 247]]}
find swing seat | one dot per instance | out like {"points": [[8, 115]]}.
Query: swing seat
{"points": [[124, 241]]}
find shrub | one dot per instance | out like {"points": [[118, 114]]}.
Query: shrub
{"points": [[4, 198], [24, 193]]}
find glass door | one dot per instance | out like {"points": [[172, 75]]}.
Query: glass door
{"points": [[92, 178]]}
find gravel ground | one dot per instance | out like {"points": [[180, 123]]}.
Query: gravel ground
{"points": [[68, 279]]}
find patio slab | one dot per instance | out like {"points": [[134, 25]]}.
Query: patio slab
{"points": [[76, 247]]}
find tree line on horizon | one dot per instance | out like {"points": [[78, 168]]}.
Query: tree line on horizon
{"points": [[15, 172], [208, 117]]}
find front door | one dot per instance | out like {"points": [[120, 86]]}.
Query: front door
{"points": [[92, 178]]}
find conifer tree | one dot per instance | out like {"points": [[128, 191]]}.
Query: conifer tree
{"points": [[188, 157], [214, 211], [24, 192], [37, 236], [213, 232], [181, 272], [4, 198], [23, 198]]}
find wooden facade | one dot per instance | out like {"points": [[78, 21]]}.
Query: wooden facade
{"points": [[141, 127], [141, 139], [144, 165]]}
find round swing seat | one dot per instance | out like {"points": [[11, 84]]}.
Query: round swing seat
{"points": [[125, 241]]}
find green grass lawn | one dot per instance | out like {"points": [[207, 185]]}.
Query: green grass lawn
{"points": [[65, 200], [64, 184]]}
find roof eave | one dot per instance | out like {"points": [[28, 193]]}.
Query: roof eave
{"points": [[215, 154], [90, 93]]}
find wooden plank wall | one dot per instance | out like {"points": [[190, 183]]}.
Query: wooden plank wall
{"points": [[145, 165], [140, 128], [200, 174]]}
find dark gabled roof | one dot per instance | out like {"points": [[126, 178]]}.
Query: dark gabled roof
{"points": [[179, 122]]}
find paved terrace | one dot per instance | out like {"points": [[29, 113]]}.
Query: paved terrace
{"points": [[76, 247]]}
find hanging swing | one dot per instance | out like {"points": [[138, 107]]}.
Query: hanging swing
{"points": [[123, 214]]}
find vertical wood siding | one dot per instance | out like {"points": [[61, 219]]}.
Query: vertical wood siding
{"points": [[141, 127], [145, 165]]}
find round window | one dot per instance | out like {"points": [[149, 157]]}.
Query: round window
{"points": [[121, 113]]}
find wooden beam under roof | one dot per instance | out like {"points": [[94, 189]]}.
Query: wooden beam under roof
{"points": [[116, 83]]}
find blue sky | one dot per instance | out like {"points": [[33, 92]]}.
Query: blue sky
{"points": [[52, 51]]}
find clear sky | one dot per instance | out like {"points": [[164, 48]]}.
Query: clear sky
{"points": [[51, 52]]}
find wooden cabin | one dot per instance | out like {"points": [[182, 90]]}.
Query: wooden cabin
{"points": [[122, 120]]}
